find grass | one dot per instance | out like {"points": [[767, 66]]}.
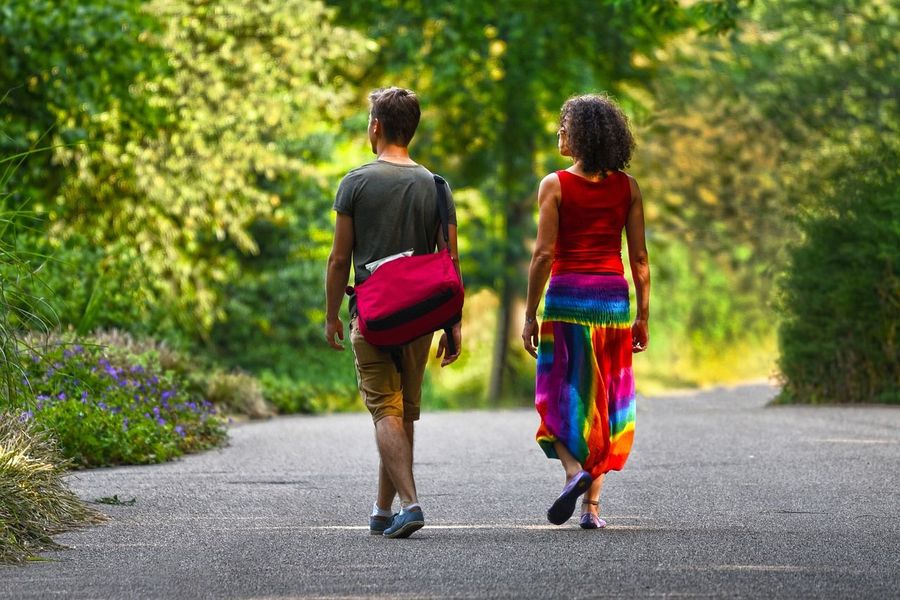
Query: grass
{"points": [[35, 502]]}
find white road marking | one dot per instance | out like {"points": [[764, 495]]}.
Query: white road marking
{"points": [[854, 441]]}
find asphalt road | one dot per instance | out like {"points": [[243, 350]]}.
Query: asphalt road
{"points": [[723, 497]]}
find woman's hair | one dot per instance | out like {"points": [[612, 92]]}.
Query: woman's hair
{"points": [[597, 133], [398, 111]]}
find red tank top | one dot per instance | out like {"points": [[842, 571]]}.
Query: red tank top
{"points": [[592, 215]]}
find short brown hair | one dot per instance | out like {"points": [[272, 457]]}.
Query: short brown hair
{"points": [[597, 132], [398, 112]]}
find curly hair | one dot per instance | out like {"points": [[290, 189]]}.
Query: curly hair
{"points": [[597, 133]]}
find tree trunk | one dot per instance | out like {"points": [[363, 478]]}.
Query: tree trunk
{"points": [[501, 342], [516, 169]]}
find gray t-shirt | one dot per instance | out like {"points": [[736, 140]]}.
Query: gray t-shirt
{"points": [[394, 209]]}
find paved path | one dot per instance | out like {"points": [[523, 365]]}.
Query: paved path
{"points": [[722, 497]]}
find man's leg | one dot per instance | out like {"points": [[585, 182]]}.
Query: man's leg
{"points": [[386, 489], [398, 457], [395, 472], [381, 389], [414, 358]]}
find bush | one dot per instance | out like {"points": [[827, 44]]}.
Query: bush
{"points": [[841, 300], [290, 396], [34, 501], [107, 405], [238, 393]]}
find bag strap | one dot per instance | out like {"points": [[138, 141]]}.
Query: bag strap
{"points": [[443, 207]]}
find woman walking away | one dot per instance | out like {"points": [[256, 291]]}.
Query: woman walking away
{"points": [[585, 386]]}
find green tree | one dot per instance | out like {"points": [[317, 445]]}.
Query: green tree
{"points": [[493, 76], [66, 79], [841, 301], [772, 127], [191, 120]]}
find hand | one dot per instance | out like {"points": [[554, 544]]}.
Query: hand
{"points": [[640, 336], [443, 349], [332, 328], [530, 337]]}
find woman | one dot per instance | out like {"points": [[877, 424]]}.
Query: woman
{"points": [[585, 386]]}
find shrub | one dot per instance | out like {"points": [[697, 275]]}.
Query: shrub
{"points": [[290, 395], [108, 406], [34, 501], [841, 300], [238, 393]]}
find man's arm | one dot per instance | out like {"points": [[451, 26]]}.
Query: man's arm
{"points": [[456, 331], [336, 277]]}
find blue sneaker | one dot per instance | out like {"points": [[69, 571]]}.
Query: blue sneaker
{"points": [[377, 525], [405, 523]]}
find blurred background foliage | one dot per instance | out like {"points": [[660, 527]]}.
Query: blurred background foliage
{"points": [[169, 167]]}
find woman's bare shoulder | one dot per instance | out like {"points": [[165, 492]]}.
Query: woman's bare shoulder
{"points": [[551, 181]]}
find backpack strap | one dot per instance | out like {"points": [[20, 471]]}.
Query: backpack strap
{"points": [[443, 207]]}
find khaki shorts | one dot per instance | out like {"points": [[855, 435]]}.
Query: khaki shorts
{"points": [[386, 392]]}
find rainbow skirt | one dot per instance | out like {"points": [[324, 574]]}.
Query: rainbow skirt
{"points": [[585, 385]]}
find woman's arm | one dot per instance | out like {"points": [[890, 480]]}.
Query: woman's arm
{"points": [[549, 195], [640, 268]]}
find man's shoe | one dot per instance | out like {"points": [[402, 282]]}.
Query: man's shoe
{"points": [[405, 523], [377, 525], [563, 507]]}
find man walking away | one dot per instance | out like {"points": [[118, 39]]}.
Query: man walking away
{"points": [[386, 207]]}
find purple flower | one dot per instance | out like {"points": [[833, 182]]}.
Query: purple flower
{"points": [[102, 405], [179, 430], [156, 411], [168, 394], [61, 396], [26, 416], [161, 421], [84, 395], [125, 424]]}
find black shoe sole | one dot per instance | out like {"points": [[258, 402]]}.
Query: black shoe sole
{"points": [[564, 506]]}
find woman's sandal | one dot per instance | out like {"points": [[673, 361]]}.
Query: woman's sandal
{"points": [[589, 520], [563, 507]]}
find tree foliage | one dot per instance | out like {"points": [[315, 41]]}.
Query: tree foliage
{"points": [[181, 152], [768, 127], [841, 299], [493, 77]]}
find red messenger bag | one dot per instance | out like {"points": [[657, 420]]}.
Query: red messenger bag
{"points": [[408, 297]]}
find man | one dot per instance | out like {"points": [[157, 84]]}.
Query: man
{"points": [[383, 208]]}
